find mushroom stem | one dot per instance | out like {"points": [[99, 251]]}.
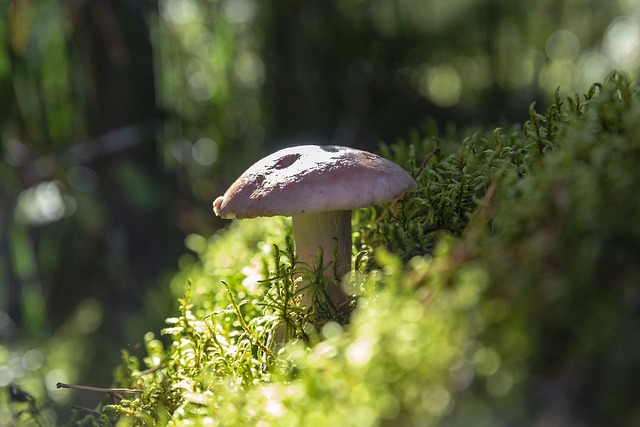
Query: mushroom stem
{"points": [[313, 232]]}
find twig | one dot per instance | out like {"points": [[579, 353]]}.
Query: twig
{"points": [[87, 411], [425, 161], [99, 389]]}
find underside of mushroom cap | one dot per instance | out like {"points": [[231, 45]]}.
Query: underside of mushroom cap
{"points": [[313, 178]]}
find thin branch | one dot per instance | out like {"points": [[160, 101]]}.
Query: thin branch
{"points": [[87, 411], [425, 161], [100, 389]]}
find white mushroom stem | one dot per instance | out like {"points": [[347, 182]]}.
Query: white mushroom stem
{"points": [[313, 232]]}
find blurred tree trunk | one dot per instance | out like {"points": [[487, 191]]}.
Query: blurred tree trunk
{"points": [[130, 247], [112, 39]]}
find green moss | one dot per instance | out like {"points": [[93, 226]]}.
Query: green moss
{"points": [[565, 251], [502, 290]]}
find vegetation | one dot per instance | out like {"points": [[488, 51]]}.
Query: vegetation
{"points": [[121, 120], [501, 291]]}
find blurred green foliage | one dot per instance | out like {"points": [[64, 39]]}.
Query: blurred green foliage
{"points": [[120, 121]]}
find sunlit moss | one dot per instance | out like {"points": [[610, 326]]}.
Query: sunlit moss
{"points": [[522, 284]]}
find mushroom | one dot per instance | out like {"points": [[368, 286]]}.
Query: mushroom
{"points": [[317, 186]]}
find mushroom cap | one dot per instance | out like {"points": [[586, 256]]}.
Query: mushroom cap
{"points": [[312, 179]]}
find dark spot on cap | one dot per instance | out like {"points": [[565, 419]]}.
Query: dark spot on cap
{"points": [[329, 148], [286, 161]]}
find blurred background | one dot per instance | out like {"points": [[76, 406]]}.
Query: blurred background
{"points": [[122, 120]]}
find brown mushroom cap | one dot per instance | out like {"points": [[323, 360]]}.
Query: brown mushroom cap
{"points": [[311, 179]]}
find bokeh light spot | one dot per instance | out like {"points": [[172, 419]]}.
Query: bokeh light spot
{"points": [[51, 380], [622, 42], [249, 69], [500, 383], [562, 45], [593, 65], [205, 151], [557, 74], [41, 204], [6, 375], [436, 399], [442, 85], [89, 316], [360, 351], [33, 359], [487, 361], [179, 11], [236, 11], [331, 330]]}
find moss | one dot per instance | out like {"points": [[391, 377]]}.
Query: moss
{"points": [[565, 251], [501, 291]]}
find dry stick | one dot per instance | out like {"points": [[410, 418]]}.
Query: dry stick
{"points": [[425, 161], [154, 369], [87, 411], [100, 389]]}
